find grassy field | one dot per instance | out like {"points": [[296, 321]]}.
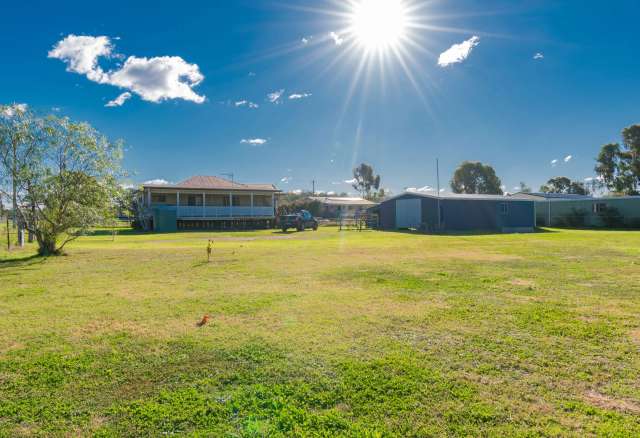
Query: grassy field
{"points": [[324, 333]]}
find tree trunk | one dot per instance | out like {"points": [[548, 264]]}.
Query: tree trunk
{"points": [[47, 247]]}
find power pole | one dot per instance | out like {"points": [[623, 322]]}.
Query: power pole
{"points": [[313, 189]]}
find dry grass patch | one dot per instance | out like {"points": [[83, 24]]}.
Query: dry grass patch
{"points": [[605, 402]]}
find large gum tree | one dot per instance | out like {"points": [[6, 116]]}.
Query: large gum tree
{"points": [[62, 175]]}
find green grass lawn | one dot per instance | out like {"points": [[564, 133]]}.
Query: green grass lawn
{"points": [[324, 333]]}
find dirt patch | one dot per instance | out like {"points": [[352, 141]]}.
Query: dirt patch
{"points": [[606, 402], [522, 282], [635, 335], [479, 256]]}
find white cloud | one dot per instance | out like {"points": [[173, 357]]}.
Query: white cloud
{"points": [[442, 190], [351, 181], [458, 52], [337, 39], [246, 103], [120, 100], [254, 141], [554, 163], [296, 192], [306, 40], [331, 193], [153, 79], [297, 96], [158, 182], [568, 158], [275, 96], [160, 78], [538, 56], [81, 54], [424, 189], [286, 179], [11, 110]]}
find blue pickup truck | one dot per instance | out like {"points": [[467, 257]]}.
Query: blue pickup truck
{"points": [[300, 221]]}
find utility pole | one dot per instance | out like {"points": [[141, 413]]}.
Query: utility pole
{"points": [[313, 189], [231, 176]]}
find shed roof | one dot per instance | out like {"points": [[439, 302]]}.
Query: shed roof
{"points": [[214, 183], [551, 195], [462, 197], [341, 201]]}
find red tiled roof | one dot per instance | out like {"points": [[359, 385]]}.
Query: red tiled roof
{"points": [[215, 183]]}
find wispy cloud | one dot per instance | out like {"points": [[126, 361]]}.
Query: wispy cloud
{"points": [[297, 96], [458, 52], [254, 141], [286, 179], [351, 181], [306, 40], [424, 189], [246, 103], [275, 96], [337, 39], [538, 56], [554, 163], [120, 100], [153, 79], [568, 158], [157, 182]]}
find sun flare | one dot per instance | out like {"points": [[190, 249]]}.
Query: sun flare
{"points": [[379, 24]]}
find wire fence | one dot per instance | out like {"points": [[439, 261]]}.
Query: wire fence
{"points": [[10, 236]]}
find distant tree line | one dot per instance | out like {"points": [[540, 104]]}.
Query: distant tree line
{"points": [[617, 169]]}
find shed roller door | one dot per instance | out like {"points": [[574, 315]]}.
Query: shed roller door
{"points": [[408, 213]]}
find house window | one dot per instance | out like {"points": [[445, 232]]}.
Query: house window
{"points": [[194, 200], [262, 201], [599, 207], [504, 208], [157, 198]]}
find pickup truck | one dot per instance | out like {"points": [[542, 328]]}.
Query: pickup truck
{"points": [[300, 221]]}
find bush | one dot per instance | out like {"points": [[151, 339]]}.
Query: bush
{"points": [[611, 218], [577, 219]]}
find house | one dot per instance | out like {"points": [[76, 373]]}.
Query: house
{"points": [[456, 213], [566, 210], [336, 207], [208, 202]]}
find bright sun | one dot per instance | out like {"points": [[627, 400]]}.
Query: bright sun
{"points": [[379, 24]]}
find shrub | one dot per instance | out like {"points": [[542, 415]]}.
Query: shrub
{"points": [[611, 218]]}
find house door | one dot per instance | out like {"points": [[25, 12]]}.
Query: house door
{"points": [[408, 213]]}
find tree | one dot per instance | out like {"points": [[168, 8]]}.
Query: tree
{"points": [[524, 188], [365, 180], [618, 166], [473, 177], [65, 178], [562, 184], [16, 140]]}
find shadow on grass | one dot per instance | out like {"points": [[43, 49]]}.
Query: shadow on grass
{"points": [[467, 233], [33, 259], [119, 232]]}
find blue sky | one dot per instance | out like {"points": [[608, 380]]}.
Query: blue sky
{"points": [[497, 105]]}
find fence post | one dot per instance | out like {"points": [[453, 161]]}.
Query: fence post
{"points": [[8, 235]]}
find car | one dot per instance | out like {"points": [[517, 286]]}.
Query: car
{"points": [[300, 221]]}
